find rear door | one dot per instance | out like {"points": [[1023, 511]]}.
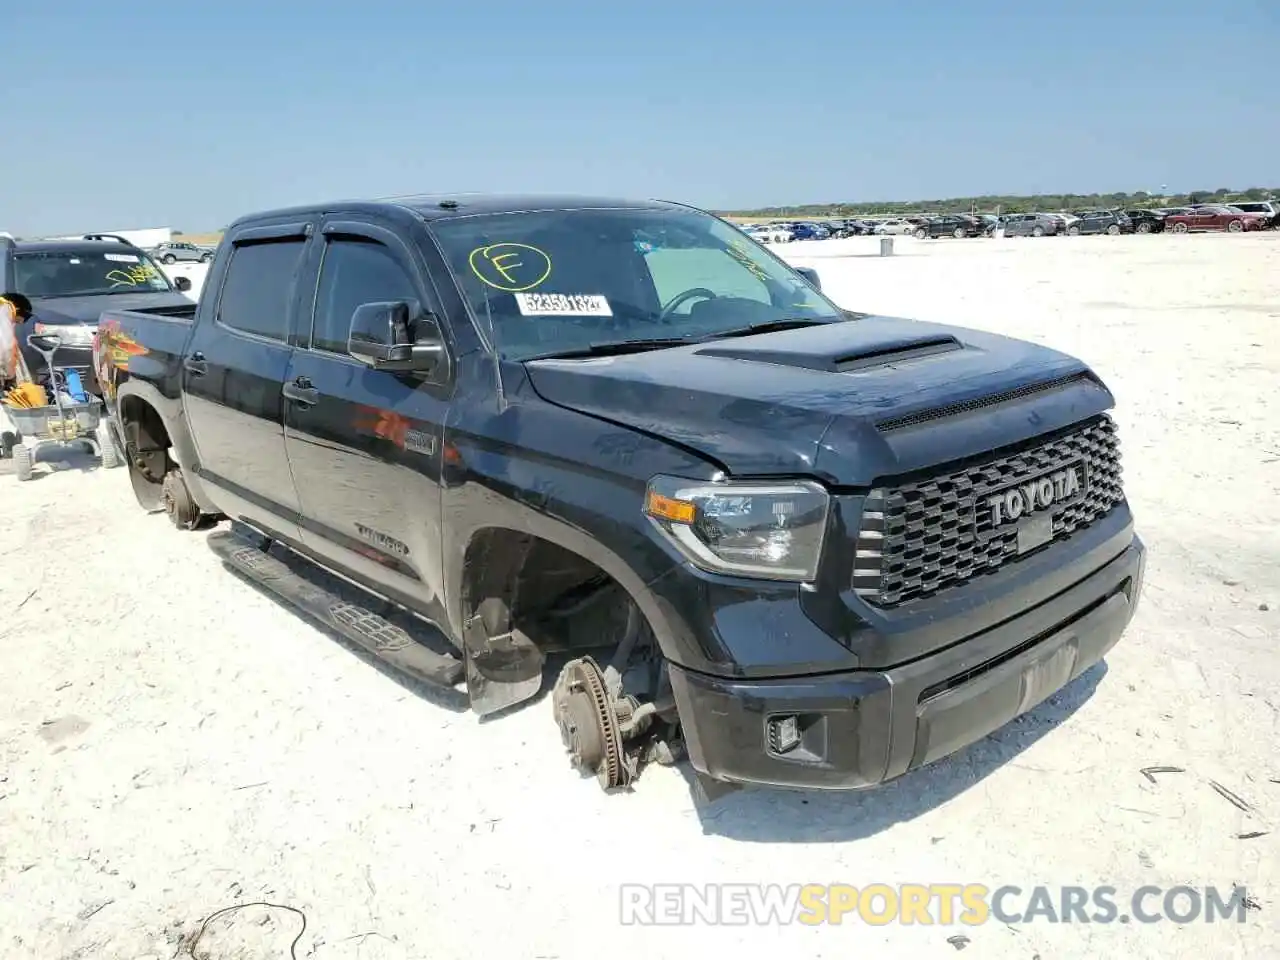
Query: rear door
{"points": [[364, 444], [234, 371]]}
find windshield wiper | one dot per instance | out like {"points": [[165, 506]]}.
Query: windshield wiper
{"points": [[770, 326], [109, 292], [615, 347], [609, 348]]}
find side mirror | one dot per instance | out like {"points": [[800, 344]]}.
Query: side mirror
{"points": [[810, 275], [182, 283], [397, 336]]}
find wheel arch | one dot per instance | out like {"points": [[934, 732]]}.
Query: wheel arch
{"points": [[138, 398], [471, 575]]}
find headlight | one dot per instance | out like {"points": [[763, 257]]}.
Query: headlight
{"points": [[771, 530], [69, 335]]}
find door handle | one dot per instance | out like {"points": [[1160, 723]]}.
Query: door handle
{"points": [[300, 391], [196, 364]]}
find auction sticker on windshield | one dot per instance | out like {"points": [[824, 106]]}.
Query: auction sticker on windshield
{"points": [[120, 257], [563, 305]]}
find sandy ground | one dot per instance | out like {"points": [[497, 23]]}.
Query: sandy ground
{"points": [[172, 742]]}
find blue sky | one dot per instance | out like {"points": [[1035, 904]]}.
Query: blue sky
{"points": [[189, 114]]}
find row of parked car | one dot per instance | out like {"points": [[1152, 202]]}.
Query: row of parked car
{"points": [[1232, 218]]}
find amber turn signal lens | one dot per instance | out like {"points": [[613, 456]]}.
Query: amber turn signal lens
{"points": [[668, 508]]}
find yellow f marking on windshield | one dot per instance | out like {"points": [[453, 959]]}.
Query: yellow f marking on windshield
{"points": [[501, 268], [132, 276], [511, 267]]}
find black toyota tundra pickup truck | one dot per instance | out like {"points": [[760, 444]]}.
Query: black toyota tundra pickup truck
{"points": [[623, 445]]}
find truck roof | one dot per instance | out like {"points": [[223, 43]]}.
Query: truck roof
{"points": [[444, 206], [68, 246]]}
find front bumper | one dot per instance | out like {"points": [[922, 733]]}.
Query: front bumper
{"points": [[861, 728]]}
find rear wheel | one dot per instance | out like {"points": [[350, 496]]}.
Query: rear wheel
{"points": [[1235, 226], [206, 258], [958, 233], [1144, 228], [1179, 228], [1038, 232], [169, 258], [921, 233], [1073, 231], [1113, 230]]}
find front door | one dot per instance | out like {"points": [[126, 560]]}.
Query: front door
{"points": [[365, 444], [233, 373], [1203, 219]]}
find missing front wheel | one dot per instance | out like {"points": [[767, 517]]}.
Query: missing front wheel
{"points": [[607, 732]]}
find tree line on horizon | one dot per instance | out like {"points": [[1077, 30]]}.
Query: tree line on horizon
{"points": [[1046, 202]]}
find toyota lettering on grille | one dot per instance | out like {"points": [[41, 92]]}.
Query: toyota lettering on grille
{"points": [[1031, 497]]}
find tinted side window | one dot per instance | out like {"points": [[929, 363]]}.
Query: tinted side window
{"points": [[354, 271], [255, 295]]}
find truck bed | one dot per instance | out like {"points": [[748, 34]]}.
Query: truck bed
{"points": [[144, 344]]}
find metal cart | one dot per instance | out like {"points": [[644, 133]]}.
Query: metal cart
{"points": [[58, 424]]}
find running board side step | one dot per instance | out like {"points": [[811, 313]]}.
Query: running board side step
{"points": [[388, 642]]}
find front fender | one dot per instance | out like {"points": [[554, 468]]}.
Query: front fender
{"points": [[492, 512], [592, 512]]}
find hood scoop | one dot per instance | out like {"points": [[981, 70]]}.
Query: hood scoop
{"points": [[879, 353]]}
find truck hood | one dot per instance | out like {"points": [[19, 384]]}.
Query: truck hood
{"points": [[846, 402], [86, 310]]}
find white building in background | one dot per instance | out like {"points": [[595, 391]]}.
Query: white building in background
{"points": [[145, 238]]}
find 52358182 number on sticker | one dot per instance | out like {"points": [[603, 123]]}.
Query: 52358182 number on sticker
{"points": [[563, 305]]}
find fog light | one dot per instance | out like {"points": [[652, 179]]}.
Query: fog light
{"points": [[784, 733]]}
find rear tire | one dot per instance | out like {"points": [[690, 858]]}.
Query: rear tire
{"points": [[1113, 230], [1179, 228], [921, 233], [22, 462], [1073, 231], [1038, 232], [169, 258], [1235, 226], [1144, 228], [958, 233]]}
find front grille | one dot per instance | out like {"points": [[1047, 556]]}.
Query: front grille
{"points": [[921, 537]]}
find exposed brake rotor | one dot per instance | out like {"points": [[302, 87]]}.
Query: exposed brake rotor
{"points": [[589, 723]]}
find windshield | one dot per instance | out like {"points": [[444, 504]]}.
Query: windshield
{"points": [[556, 281], [67, 273]]}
